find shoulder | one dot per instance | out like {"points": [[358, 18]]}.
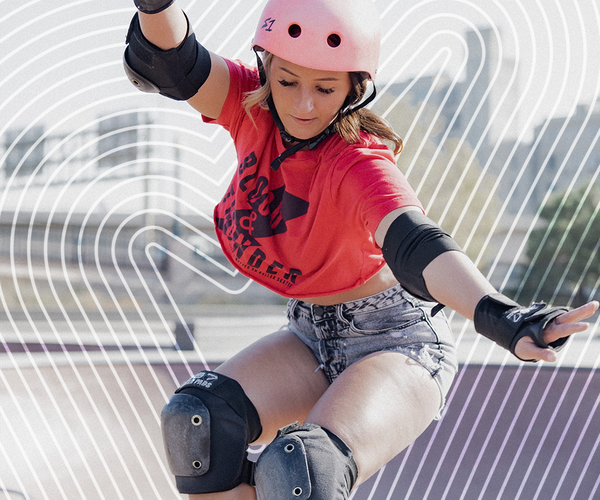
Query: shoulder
{"points": [[244, 75], [368, 183], [243, 79], [370, 154], [367, 172]]}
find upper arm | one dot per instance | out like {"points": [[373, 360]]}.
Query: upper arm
{"points": [[386, 222], [210, 98], [166, 30]]}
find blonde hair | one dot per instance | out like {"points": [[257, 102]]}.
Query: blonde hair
{"points": [[349, 126]]}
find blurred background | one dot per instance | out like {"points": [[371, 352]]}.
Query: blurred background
{"points": [[113, 288]]}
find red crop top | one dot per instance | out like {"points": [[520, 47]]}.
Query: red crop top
{"points": [[307, 229]]}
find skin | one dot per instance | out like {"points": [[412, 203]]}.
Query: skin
{"points": [[279, 373], [307, 100]]}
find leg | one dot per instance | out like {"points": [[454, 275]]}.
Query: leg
{"points": [[378, 406], [279, 374]]}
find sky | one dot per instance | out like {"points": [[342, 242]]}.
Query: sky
{"points": [[58, 56], [61, 64]]}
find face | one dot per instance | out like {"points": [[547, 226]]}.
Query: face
{"points": [[307, 100]]}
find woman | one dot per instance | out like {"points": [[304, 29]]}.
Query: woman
{"points": [[318, 212]]}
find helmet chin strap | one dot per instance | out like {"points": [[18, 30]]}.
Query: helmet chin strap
{"points": [[299, 144]]}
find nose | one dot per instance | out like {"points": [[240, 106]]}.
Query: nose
{"points": [[304, 102]]}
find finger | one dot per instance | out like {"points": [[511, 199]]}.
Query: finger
{"points": [[579, 314], [556, 331], [569, 323]]}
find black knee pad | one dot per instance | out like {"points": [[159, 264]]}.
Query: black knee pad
{"points": [[305, 462], [207, 426]]}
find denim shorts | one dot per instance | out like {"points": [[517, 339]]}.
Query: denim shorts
{"points": [[392, 320]]}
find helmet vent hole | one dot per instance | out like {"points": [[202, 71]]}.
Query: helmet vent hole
{"points": [[334, 40], [295, 31]]}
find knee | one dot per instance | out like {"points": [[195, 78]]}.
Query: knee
{"points": [[305, 462], [207, 426]]}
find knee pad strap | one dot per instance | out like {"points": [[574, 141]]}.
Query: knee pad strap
{"points": [[207, 427], [305, 462]]}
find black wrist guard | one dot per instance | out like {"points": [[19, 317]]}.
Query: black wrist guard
{"points": [[152, 6], [505, 322]]}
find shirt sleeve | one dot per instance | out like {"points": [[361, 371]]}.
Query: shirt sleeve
{"points": [[372, 187]]}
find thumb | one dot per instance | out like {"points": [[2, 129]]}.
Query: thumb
{"points": [[526, 350]]}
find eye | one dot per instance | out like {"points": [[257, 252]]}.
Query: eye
{"points": [[284, 83], [325, 91]]}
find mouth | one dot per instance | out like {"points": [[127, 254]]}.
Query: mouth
{"points": [[303, 121]]}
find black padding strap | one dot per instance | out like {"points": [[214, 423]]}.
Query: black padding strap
{"points": [[213, 460], [176, 73], [411, 243], [227, 389], [506, 322], [152, 6]]}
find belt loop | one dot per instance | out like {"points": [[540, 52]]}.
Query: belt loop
{"points": [[312, 313], [292, 303], [341, 313]]}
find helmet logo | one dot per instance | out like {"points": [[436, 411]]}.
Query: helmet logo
{"points": [[268, 26]]}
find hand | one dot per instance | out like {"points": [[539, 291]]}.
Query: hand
{"points": [[563, 326]]}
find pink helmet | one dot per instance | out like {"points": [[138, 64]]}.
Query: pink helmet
{"points": [[330, 35]]}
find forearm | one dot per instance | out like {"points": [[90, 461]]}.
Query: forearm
{"points": [[166, 29], [453, 280], [431, 266]]}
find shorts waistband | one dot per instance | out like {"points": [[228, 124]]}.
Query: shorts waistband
{"points": [[371, 303]]}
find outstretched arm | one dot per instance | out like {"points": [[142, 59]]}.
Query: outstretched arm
{"points": [[455, 281], [452, 279]]}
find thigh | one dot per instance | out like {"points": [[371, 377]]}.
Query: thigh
{"points": [[280, 376], [378, 406]]}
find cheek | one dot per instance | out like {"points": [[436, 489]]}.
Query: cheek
{"points": [[281, 99], [333, 105]]}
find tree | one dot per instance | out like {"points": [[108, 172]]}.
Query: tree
{"points": [[564, 253], [445, 173]]}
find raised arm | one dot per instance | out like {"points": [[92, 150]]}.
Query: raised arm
{"points": [[163, 56], [431, 265]]}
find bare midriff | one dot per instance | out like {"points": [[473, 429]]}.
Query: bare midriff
{"points": [[383, 280]]}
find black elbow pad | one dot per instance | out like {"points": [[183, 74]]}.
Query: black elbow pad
{"points": [[411, 243], [176, 73]]}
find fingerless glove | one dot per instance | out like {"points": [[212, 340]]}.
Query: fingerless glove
{"points": [[505, 322]]}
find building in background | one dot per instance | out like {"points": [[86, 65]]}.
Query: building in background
{"points": [[133, 189]]}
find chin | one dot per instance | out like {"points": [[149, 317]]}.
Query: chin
{"points": [[303, 133]]}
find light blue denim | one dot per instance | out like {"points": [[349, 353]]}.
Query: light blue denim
{"points": [[392, 320]]}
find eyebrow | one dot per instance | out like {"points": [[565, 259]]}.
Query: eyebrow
{"points": [[329, 79]]}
